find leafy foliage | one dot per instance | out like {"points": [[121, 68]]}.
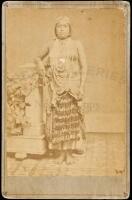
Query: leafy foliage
{"points": [[19, 86]]}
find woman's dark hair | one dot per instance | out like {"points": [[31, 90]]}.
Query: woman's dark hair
{"points": [[69, 30]]}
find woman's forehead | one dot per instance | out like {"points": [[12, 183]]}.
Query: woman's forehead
{"points": [[62, 24]]}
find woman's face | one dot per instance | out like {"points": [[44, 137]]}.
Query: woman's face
{"points": [[62, 30]]}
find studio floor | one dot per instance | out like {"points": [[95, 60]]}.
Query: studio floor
{"points": [[104, 156]]}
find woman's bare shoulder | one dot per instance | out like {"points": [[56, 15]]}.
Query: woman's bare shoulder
{"points": [[80, 47], [48, 44], [45, 48], [51, 42], [77, 43]]}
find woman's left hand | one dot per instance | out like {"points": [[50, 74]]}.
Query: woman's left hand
{"points": [[81, 91]]}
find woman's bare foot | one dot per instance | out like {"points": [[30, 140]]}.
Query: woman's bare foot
{"points": [[61, 158], [69, 158], [77, 153]]}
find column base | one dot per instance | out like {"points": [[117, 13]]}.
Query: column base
{"points": [[23, 145], [20, 156]]}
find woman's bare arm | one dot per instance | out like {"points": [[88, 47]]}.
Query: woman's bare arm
{"points": [[44, 52], [83, 64], [42, 57]]}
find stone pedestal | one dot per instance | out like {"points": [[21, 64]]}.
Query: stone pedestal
{"points": [[33, 139], [23, 145]]}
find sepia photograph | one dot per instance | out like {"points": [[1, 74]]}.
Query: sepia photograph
{"points": [[65, 72]]}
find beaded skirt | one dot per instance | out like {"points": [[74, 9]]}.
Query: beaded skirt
{"points": [[65, 123]]}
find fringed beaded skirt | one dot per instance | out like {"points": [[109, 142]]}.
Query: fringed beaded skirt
{"points": [[65, 132]]}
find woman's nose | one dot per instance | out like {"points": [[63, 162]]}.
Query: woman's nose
{"points": [[62, 28]]}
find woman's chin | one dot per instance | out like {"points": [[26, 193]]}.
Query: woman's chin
{"points": [[62, 37]]}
